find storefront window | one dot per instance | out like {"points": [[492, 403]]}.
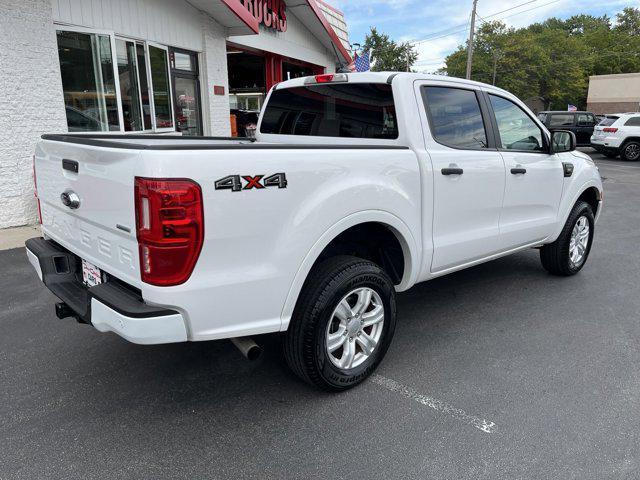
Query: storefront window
{"points": [[247, 90], [86, 65], [160, 84], [291, 70], [144, 86], [129, 88], [183, 61]]}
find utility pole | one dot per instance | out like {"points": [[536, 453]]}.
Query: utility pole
{"points": [[407, 59], [496, 57], [471, 32]]}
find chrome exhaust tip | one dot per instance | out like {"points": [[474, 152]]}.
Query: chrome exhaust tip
{"points": [[249, 349]]}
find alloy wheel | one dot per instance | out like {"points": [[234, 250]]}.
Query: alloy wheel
{"points": [[355, 328]]}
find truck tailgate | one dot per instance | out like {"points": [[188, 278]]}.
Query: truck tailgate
{"points": [[101, 229]]}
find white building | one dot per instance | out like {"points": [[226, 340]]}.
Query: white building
{"points": [[337, 21], [617, 93], [199, 67]]}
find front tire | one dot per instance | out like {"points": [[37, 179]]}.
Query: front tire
{"points": [[568, 254], [630, 151], [342, 324]]}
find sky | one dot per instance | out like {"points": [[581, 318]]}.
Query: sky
{"points": [[443, 25]]}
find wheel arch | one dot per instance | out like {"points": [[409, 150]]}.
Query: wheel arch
{"points": [[395, 225], [591, 195], [590, 192]]}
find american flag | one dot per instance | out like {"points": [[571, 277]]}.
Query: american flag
{"points": [[572, 108], [362, 62]]}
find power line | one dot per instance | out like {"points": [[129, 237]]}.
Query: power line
{"points": [[437, 36]]}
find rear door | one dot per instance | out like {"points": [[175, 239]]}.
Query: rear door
{"points": [[101, 227], [585, 122], [468, 176], [534, 178]]}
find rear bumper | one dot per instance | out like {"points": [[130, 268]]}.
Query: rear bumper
{"points": [[109, 307], [611, 143]]}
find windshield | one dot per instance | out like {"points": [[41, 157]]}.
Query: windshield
{"points": [[348, 110]]}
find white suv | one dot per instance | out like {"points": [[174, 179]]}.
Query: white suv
{"points": [[618, 134]]}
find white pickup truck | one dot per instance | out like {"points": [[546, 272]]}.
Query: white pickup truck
{"points": [[357, 186]]}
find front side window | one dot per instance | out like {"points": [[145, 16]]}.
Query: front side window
{"points": [[88, 83], [455, 117], [561, 120], [349, 110], [517, 130]]}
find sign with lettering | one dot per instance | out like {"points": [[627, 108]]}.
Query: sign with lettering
{"points": [[270, 13]]}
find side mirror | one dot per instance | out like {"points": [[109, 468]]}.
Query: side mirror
{"points": [[563, 141]]}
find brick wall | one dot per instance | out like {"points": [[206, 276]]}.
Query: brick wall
{"points": [[31, 101], [602, 108], [214, 72]]}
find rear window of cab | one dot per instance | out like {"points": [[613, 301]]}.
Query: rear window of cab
{"points": [[608, 121], [344, 110]]}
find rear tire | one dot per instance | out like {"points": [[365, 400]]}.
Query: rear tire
{"points": [[330, 343], [568, 254], [630, 151]]}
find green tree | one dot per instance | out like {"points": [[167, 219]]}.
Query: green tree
{"points": [[552, 59], [389, 55]]}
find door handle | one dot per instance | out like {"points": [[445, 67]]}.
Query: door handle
{"points": [[452, 171], [518, 170]]}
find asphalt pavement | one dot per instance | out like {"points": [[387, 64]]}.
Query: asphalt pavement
{"points": [[499, 372]]}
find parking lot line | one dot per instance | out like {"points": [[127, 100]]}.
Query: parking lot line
{"points": [[435, 404]]}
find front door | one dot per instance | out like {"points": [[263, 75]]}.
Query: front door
{"points": [[186, 92], [468, 177], [534, 178]]}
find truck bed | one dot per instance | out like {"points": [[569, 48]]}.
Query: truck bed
{"points": [[175, 142]]}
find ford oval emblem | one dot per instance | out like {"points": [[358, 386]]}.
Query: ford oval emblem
{"points": [[70, 199]]}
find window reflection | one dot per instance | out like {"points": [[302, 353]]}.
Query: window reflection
{"points": [[129, 89], [160, 83], [88, 82]]}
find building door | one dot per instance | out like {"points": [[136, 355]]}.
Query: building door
{"points": [[186, 92]]}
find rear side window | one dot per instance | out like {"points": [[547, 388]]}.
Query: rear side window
{"points": [[608, 121], [633, 122], [356, 110], [561, 120], [455, 117], [586, 119]]}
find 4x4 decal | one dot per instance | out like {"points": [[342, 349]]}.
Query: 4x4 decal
{"points": [[258, 182]]}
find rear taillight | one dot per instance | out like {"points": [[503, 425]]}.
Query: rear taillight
{"points": [[610, 129], [169, 227], [35, 190]]}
